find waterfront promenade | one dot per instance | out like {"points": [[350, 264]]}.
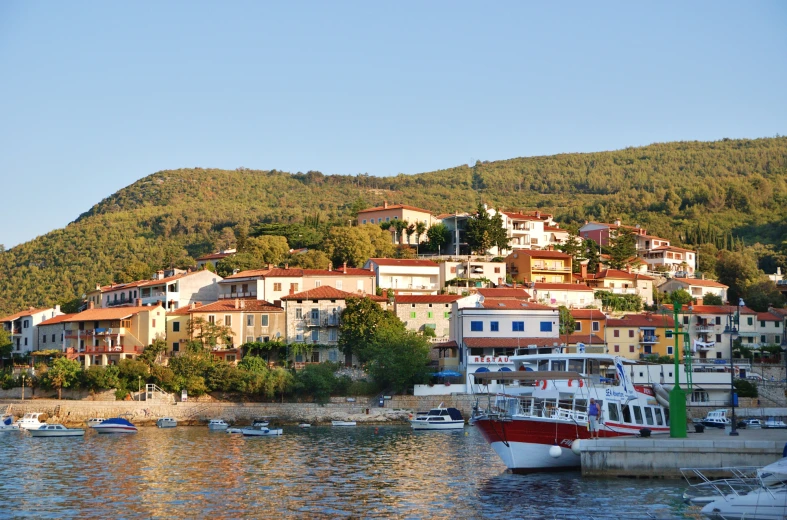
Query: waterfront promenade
{"points": [[662, 456]]}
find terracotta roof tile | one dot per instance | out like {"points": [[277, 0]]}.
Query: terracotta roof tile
{"points": [[509, 304], [617, 274], [587, 314], [712, 309], [27, 312], [575, 338], [327, 292], [113, 313], [510, 342], [642, 320], [542, 286], [228, 305], [394, 206], [699, 283], [215, 256], [768, 316], [541, 253], [57, 319], [517, 294], [403, 262], [427, 298]]}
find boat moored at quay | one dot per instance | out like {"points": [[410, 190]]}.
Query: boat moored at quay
{"points": [[537, 424]]}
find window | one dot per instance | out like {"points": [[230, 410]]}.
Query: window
{"points": [[669, 351], [26, 324], [333, 335], [294, 287], [446, 315], [750, 320], [53, 338], [175, 326], [249, 339], [387, 219], [637, 414], [494, 326], [339, 284], [649, 415], [264, 320], [631, 333], [228, 320], [718, 338], [546, 326], [233, 289], [317, 283], [316, 356], [596, 326], [762, 339], [412, 315], [659, 417], [315, 314], [718, 320], [211, 319], [230, 358], [44, 338], [616, 333], [762, 324], [718, 355], [176, 347], [667, 333], [518, 326], [777, 340], [631, 348], [578, 326], [412, 306], [430, 314], [497, 270], [626, 414], [476, 326], [277, 286], [298, 313], [617, 348], [614, 412], [363, 221], [25, 341], [685, 320], [315, 335]]}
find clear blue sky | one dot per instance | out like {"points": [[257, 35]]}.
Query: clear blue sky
{"points": [[96, 95]]}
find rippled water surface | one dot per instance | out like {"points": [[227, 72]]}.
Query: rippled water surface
{"points": [[322, 472]]}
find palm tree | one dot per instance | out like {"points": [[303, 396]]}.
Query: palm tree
{"points": [[410, 232], [420, 229]]}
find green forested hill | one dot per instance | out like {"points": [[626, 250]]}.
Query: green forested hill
{"points": [[686, 191]]}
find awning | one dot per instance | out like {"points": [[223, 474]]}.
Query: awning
{"points": [[430, 326], [504, 369], [481, 370]]}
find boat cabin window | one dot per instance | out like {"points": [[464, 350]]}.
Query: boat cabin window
{"points": [[575, 365], [649, 415], [627, 414], [558, 365], [543, 365], [637, 414], [592, 367], [659, 418], [614, 412]]}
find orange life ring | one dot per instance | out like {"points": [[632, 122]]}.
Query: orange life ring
{"points": [[544, 384], [580, 383], [569, 382]]}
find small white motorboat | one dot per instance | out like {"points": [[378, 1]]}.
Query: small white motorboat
{"points": [[304, 425], [234, 430], [218, 424], [57, 430], [438, 419], [30, 421], [115, 425], [166, 422], [260, 423], [767, 501], [752, 424], [93, 421], [261, 431], [716, 419], [7, 424], [343, 423], [772, 422]]}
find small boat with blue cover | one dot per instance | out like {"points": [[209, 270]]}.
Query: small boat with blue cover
{"points": [[439, 418], [115, 425]]}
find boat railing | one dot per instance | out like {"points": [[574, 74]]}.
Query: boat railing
{"points": [[507, 407], [732, 481]]}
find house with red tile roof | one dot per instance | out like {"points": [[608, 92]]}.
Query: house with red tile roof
{"points": [[709, 327], [457, 276], [98, 336], [214, 258], [590, 324], [22, 328], [405, 276], [392, 212], [670, 259], [314, 316], [429, 311], [696, 287], [621, 282], [273, 283], [539, 266], [172, 288], [570, 295], [635, 336], [246, 319]]}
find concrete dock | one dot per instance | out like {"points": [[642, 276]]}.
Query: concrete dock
{"points": [[662, 456]]}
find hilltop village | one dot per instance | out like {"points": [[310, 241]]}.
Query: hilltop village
{"points": [[529, 288]]}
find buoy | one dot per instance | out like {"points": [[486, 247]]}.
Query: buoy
{"points": [[575, 446], [555, 451], [466, 434], [375, 431]]}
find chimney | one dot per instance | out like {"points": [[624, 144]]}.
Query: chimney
{"points": [[617, 222], [137, 303], [330, 266], [277, 303], [550, 248], [193, 305], [583, 269], [599, 268], [237, 304], [538, 214], [270, 266], [243, 304], [90, 305], [286, 266], [344, 268], [292, 290], [385, 204]]}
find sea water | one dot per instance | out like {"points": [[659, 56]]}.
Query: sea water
{"points": [[321, 472]]}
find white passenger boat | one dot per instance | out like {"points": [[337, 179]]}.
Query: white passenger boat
{"points": [[538, 423], [115, 425], [30, 421], [439, 418], [166, 422], [218, 424], [261, 431], [716, 419], [93, 421], [343, 423], [57, 430], [7, 424]]}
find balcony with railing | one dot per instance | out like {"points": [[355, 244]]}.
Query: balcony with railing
{"points": [[648, 339], [551, 268], [113, 349]]}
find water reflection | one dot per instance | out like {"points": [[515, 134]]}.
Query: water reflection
{"points": [[323, 471]]}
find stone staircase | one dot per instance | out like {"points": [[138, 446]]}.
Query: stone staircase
{"points": [[772, 394]]}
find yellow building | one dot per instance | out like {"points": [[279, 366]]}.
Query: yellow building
{"points": [[391, 212], [527, 265], [638, 335]]}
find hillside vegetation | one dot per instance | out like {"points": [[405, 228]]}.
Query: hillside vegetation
{"points": [[728, 192]]}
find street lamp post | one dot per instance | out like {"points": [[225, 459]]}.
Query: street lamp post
{"points": [[733, 332], [139, 387], [23, 387]]}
